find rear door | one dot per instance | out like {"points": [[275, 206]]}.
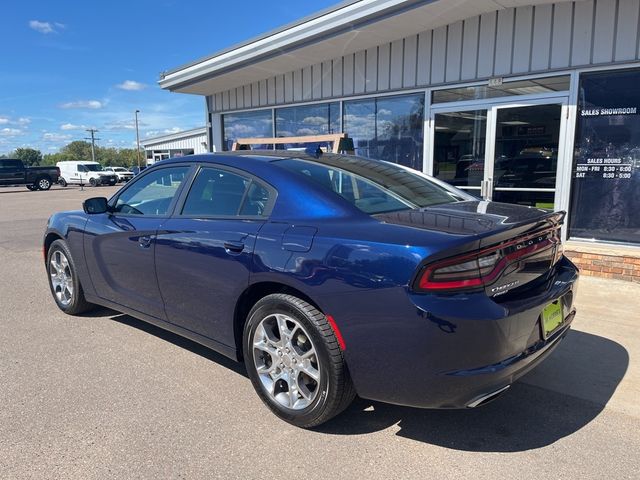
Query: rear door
{"points": [[204, 253], [120, 246]]}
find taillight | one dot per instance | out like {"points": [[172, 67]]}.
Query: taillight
{"points": [[484, 266]]}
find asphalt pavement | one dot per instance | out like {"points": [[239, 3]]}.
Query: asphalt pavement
{"points": [[108, 396]]}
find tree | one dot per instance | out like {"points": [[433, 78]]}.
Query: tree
{"points": [[29, 156], [78, 150]]}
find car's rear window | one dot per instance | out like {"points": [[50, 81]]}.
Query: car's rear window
{"points": [[373, 186]]}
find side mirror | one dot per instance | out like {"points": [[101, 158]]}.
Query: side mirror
{"points": [[95, 205]]}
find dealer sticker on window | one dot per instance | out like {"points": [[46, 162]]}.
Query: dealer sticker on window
{"points": [[552, 317]]}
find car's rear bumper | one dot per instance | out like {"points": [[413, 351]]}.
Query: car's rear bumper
{"points": [[451, 351]]}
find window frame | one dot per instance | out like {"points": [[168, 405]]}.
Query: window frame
{"points": [[172, 206], [198, 167]]}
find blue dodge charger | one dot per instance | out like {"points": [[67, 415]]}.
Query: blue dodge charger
{"points": [[327, 275]]}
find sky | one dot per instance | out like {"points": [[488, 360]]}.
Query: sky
{"points": [[66, 66]]}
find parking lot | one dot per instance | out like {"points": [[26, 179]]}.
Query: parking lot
{"points": [[108, 396]]}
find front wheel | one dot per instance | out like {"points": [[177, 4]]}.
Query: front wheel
{"points": [[295, 362], [33, 188], [63, 280], [93, 182]]}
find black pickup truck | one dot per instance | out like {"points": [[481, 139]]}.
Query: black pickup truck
{"points": [[13, 172]]}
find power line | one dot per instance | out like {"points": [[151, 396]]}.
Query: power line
{"points": [[93, 139]]}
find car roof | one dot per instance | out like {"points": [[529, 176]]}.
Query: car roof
{"points": [[301, 197]]}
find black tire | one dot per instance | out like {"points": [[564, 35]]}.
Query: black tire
{"points": [[43, 183], [33, 188], [336, 391], [93, 182], [62, 182], [78, 304]]}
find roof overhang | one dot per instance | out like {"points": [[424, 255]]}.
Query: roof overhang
{"points": [[341, 30], [195, 132]]}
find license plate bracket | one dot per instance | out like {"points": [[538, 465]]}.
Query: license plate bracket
{"points": [[552, 317]]}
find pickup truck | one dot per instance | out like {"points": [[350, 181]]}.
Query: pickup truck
{"points": [[13, 172]]}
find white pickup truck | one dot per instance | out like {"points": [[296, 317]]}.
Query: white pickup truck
{"points": [[122, 173]]}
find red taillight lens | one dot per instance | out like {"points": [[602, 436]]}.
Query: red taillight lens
{"points": [[483, 267], [459, 272]]}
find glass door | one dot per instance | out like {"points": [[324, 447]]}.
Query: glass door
{"points": [[524, 154], [502, 152], [459, 148]]}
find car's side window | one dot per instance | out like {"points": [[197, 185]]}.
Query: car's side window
{"points": [[218, 192], [153, 193]]}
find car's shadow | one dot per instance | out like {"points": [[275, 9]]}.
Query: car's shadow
{"points": [[561, 396]]}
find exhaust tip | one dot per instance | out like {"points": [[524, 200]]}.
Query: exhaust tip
{"points": [[486, 398]]}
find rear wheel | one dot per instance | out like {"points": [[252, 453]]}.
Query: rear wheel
{"points": [[63, 280], [43, 183], [295, 362], [62, 182], [33, 188]]}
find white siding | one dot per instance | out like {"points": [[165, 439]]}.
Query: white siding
{"points": [[189, 141], [507, 41]]}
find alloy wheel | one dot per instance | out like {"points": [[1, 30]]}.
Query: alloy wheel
{"points": [[61, 278], [44, 184], [286, 361]]}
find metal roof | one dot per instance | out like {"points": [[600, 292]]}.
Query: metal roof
{"points": [[174, 136], [343, 29]]}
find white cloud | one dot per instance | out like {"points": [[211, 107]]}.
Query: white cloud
{"points": [[131, 85], [91, 104], [10, 132], [118, 125], [166, 131], [71, 126], [21, 122], [55, 137], [45, 27]]}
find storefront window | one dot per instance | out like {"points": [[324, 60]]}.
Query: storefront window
{"points": [[605, 194], [247, 125], [319, 119], [387, 128]]}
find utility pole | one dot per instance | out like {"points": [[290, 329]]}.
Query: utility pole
{"points": [[93, 139], [137, 140]]}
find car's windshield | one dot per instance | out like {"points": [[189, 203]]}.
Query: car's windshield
{"points": [[119, 169], [93, 167], [374, 186]]}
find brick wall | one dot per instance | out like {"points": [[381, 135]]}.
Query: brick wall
{"points": [[619, 266]]}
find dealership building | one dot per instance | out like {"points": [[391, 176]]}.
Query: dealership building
{"points": [[533, 102], [186, 142]]}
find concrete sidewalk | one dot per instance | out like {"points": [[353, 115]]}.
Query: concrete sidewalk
{"points": [[600, 359]]}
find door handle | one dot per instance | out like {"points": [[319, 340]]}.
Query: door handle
{"points": [[145, 241], [233, 247]]}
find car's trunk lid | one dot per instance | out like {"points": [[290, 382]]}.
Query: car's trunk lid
{"points": [[527, 239]]}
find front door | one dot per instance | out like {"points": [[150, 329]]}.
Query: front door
{"points": [[502, 152], [120, 245]]}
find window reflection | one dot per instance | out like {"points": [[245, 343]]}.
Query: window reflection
{"points": [[605, 191], [387, 128], [460, 141], [307, 120], [247, 125]]}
